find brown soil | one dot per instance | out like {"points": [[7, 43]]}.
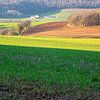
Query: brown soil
{"points": [[60, 29], [27, 93]]}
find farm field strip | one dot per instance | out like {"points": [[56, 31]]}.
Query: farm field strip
{"points": [[61, 43], [14, 24]]}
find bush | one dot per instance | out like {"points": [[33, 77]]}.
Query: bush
{"points": [[3, 31], [8, 31], [87, 18]]}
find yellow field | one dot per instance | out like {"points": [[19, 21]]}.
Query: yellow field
{"points": [[78, 44]]}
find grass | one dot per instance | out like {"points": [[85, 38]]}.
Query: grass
{"points": [[60, 16], [11, 24], [69, 66], [14, 24]]}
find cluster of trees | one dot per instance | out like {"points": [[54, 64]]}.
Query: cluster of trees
{"points": [[87, 18], [31, 7], [8, 31], [22, 26]]}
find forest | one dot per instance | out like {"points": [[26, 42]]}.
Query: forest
{"points": [[24, 8]]}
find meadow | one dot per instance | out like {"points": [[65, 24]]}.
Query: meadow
{"points": [[60, 16], [49, 67], [15, 24]]}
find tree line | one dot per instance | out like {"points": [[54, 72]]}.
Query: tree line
{"points": [[22, 26]]}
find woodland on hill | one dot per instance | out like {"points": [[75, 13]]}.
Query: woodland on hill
{"points": [[24, 8]]}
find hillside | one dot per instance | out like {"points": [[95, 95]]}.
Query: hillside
{"points": [[60, 29], [24, 8]]}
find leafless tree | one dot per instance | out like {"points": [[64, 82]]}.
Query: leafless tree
{"points": [[23, 25], [87, 18]]}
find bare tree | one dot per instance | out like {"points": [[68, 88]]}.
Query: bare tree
{"points": [[24, 25], [87, 18]]}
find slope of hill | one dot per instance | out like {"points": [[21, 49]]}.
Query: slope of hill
{"points": [[24, 8], [60, 29]]}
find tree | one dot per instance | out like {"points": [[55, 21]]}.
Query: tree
{"points": [[24, 25]]}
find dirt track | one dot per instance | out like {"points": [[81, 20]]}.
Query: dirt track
{"points": [[60, 29]]}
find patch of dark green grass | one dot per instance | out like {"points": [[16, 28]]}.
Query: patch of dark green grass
{"points": [[53, 71]]}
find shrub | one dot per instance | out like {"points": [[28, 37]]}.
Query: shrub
{"points": [[87, 18], [8, 31], [12, 32], [4, 31]]}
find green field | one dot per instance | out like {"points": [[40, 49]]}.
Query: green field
{"points": [[69, 67], [14, 24], [60, 16]]}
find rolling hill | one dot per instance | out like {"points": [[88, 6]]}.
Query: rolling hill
{"points": [[60, 29], [24, 8]]}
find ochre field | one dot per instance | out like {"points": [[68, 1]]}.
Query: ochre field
{"points": [[60, 29]]}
